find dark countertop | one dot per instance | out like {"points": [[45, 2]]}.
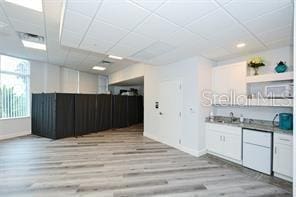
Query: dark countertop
{"points": [[260, 125]]}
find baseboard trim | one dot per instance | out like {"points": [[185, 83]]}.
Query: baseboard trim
{"points": [[284, 177], [178, 146], [14, 135]]}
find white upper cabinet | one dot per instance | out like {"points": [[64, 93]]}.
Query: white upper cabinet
{"points": [[230, 77]]}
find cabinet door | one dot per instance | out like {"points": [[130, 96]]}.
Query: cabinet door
{"points": [[233, 146], [214, 141], [230, 77], [282, 159]]}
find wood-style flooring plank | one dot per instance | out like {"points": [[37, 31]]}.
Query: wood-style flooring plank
{"points": [[122, 162]]}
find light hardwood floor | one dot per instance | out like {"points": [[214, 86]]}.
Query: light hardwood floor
{"points": [[121, 163]]}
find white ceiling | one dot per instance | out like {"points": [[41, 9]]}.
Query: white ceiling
{"points": [[156, 32]]}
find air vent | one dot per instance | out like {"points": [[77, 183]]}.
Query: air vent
{"points": [[31, 37]]}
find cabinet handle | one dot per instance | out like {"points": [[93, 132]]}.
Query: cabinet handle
{"points": [[224, 138], [275, 150], [220, 138]]}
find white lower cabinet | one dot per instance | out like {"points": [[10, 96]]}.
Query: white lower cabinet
{"points": [[283, 156], [224, 141]]}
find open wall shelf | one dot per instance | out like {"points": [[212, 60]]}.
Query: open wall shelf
{"points": [[272, 77]]}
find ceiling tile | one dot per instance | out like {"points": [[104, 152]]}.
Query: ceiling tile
{"points": [[280, 43], [280, 18], [121, 13], [223, 2], [154, 50], [233, 34], [75, 22], [174, 56], [148, 4], [85, 7], [248, 9], [184, 12], [75, 57], [122, 50], [106, 32], [27, 27], [96, 45], [276, 34], [22, 14], [214, 52], [70, 39], [93, 59], [208, 25], [183, 37], [156, 27], [136, 41]]}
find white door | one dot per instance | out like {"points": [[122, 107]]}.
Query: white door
{"points": [[170, 108]]}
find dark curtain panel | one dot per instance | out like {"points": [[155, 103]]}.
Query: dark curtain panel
{"points": [[37, 113], [132, 110], [85, 113], [65, 115], [48, 127], [103, 112], [119, 111]]}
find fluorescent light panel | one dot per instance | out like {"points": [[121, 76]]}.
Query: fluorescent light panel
{"points": [[241, 45], [31, 4], [34, 45], [115, 57], [99, 68]]}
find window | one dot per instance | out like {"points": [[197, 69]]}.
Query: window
{"points": [[14, 87]]}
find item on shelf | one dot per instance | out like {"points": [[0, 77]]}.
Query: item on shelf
{"points": [[286, 121], [281, 67], [241, 119], [255, 63], [279, 91], [211, 117]]}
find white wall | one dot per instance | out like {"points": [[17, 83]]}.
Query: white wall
{"points": [[69, 80], [102, 84], [49, 78], [131, 72], [88, 83], [271, 57], [195, 74]]}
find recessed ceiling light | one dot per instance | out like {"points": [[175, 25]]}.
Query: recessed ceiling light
{"points": [[34, 45], [115, 57], [98, 68], [31, 4], [241, 45]]}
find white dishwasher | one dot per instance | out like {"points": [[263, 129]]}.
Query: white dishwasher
{"points": [[257, 150]]}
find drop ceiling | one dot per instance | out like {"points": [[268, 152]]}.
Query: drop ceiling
{"points": [[156, 32]]}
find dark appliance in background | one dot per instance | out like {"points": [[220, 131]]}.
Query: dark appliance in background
{"points": [[130, 92], [59, 115]]}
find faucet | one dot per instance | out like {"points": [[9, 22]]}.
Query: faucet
{"points": [[231, 116]]}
